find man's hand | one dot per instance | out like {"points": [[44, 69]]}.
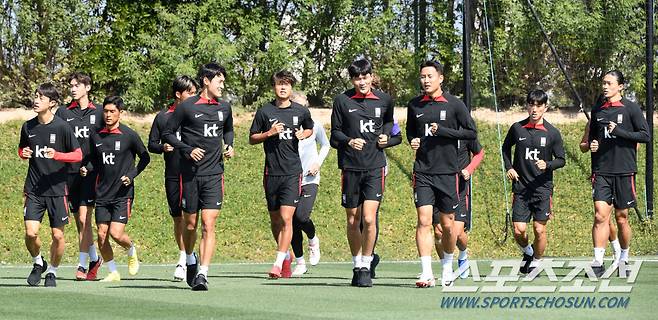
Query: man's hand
{"points": [[512, 175], [594, 146], [611, 126], [27, 152], [229, 152], [197, 154], [49, 153], [415, 143], [168, 147], [299, 133], [541, 164], [382, 141], [314, 169], [277, 127], [466, 174], [83, 171], [434, 127], [357, 144], [126, 181]]}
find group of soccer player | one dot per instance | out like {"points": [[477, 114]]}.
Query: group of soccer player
{"points": [[82, 157]]}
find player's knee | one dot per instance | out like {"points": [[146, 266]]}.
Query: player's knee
{"points": [[31, 235], [519, 231], [58, 237], [601, 218], [116, 234]]}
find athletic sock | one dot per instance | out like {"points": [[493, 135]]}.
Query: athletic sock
{"points": [[111, 266], [446, 262], [463, 255], [313, 241], [300, 260], [623, 256], [365, 262], [82, 260], [426, 266], [182, 258], [190, 259], [356, 261], [616, 248], [528, 250], [288, 255], [38, 259], [280, 256], [93, 255], [52, 269], [598, 256], [131, 251], [203, 270]]}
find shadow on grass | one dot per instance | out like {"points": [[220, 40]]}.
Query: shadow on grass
{"points": [[163, 287]]}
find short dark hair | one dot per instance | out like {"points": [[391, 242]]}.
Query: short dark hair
{"points": [[359, 67], [210, 71], [283, 75], [80, 78], [115, 100], [183, 83], [536, 96], [617, 74], [432, 63], [48, 89]]}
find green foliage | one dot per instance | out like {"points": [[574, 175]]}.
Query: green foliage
{"points": [[135, 48]]}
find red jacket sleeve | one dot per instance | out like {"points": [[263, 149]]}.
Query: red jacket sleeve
{"points": [[475, 162], [74, 156]]}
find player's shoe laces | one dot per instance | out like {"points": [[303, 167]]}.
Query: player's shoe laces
{"points": [[373, 265], [314, 252], [192, 270], [426, 281], [50, 280], [300, 269], [464, 269], [112, 277], [93, 268], [179, 273], [364, 280], [35, 275], [200, 283], [275, 272], [286, 268], [81, 274], [133, 264]]}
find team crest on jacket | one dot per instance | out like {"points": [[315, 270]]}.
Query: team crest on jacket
{"points": [[117, 145]]}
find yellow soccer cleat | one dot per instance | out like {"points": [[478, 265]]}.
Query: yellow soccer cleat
{"points": [[133, 264], [112, 277]]}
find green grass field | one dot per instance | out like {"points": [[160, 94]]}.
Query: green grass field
{"points": [[243, 228], [241, 291]]}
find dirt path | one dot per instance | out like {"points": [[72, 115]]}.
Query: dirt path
{"points": [[324, 115]]}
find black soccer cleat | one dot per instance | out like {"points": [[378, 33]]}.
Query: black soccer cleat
{"points": [[355, 277], [364, 280], [35, 275], [599, 270], [525, 265], [200, 283], [191, 271], [50, 280], [373, 265]]}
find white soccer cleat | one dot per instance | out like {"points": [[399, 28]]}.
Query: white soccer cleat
{"points": [[464, 270], [300, 269], [180, 273], [446, 278], [314, 252], [426, 281]]}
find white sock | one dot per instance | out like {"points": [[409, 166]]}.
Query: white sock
{"points": [[38, 259], [190, 259], [314, 241], [280, 256], [131, 251], [288, 255], [82, 260], [463, 255], [365, 262], [300, 260], [356, 261], [111, 266], [426, 266], [203, 270], [52, 269], [616, 248], [182, 258], [93, 255], [623, 256], [446, 262], [527, 250], [598, 256]]}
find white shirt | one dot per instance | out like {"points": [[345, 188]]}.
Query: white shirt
{"points": [[308, 152]]}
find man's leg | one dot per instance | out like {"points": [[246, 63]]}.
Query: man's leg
{"points": [[600, 231], [208, 221], [103, 230], [424, 241], [625, 234], [33, 244], [462, 242], [438, 234], [614, 241], [539, 244]]}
